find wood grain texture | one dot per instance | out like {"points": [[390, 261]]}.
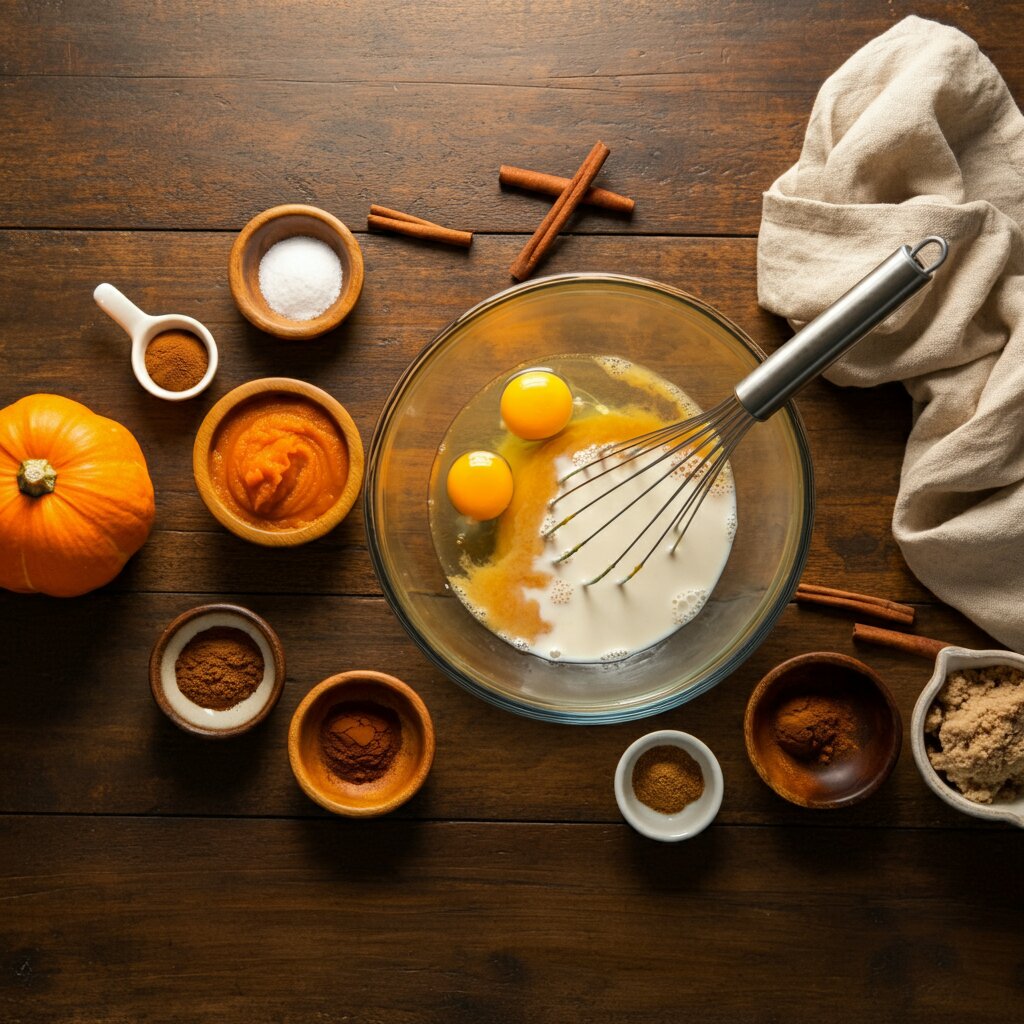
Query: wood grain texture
{"points": [[108, 749], [201, 115], [286, 922], [149, 876], [411, 292]]}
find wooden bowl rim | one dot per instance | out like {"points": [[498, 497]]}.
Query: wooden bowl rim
{"points": [[274, 323], [823, 658], [157, 654], [418, 711], [238, 526]]}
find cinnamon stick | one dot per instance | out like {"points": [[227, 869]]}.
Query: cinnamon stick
{"points": [[921, 646], [416, 227], [814, 588], [860, 607], [386, 211], [562, 209], [553, 185]]}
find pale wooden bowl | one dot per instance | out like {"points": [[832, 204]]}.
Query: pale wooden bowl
{"points": [[267, 229], [273, 538], [405, 776]]}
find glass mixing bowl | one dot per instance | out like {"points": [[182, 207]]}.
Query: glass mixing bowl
{"points": [[677, 336]]}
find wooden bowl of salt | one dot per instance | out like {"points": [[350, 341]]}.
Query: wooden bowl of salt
{"points": [[295, 271]]}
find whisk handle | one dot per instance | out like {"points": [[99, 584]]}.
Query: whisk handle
{"points": [[812, 350]]}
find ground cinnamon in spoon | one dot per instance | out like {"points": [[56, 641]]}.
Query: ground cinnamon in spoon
{"points": [[360, 740], [666, 779], [219, 668], [176, 360]]}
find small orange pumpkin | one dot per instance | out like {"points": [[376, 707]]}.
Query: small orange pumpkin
{"points": [[76, 501]]}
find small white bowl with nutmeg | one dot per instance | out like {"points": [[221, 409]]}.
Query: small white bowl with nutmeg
{"points": [[967, 733]]}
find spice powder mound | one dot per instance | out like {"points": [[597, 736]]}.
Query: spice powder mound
{"points": [[176, 360], [219, 668], [815, 728], [667, 779], [360, 741]]}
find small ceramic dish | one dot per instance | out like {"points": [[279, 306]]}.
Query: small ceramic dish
{"points": [[267, 229], [206, 440], [203, 721], [143, 328], [405, 775], [850, 776], [948, 660], [692, 819]]}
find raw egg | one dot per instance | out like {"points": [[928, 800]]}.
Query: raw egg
{"points": [[480, 484], [536, 404]]}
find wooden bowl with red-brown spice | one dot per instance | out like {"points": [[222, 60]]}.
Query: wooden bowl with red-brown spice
{"points": [[822, 730], [390, 743]]}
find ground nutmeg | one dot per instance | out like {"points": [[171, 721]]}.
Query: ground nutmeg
{"points": [[360, 740], [666, 779], [219, 668], [176, 360]]}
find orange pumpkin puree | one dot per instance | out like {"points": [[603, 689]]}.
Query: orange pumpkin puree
{"points": [[279, 462]]}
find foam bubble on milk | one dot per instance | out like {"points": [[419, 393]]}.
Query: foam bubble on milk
{"points": [[686, 605]]}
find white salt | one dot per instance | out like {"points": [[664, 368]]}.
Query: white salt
{"points": [[300, 277]]}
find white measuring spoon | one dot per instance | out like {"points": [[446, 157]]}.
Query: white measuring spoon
{"points": [[143, 328]]}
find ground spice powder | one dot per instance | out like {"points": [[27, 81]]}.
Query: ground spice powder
{"points": [[667, 778], [360, 740], [219, 668], [176, 360], [815, 728]]}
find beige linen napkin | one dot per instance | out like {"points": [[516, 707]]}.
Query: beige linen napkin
{"points": [[917, 134]]}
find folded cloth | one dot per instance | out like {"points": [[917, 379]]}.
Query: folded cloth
{"points": [[917, 134]]}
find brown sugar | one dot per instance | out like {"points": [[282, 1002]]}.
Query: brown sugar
{"points": [[360, 740], [219, 668], [176, 360], [974, 732], [666, 779]]}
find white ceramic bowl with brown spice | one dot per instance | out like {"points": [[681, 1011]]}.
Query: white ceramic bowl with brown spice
{"points": [[405, 770], [948, 660], [217, 722], [695, 816]]}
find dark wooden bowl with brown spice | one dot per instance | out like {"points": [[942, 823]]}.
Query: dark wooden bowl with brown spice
{"points": [[361, 743], [822, 730], [217, 670]]}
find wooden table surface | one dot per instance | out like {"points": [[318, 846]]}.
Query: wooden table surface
{"points": [[149, 876]]}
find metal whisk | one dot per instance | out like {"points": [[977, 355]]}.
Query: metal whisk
{"points": [[697, 449]]}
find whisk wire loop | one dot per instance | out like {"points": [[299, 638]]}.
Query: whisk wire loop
{"points": [[759, 395], [704, 437]]}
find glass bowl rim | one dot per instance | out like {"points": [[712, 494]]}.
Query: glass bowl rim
{"points": [[610, 715]]}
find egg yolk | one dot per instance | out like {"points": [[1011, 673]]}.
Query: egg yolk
{"points": [[480, 485], [536, 404]]}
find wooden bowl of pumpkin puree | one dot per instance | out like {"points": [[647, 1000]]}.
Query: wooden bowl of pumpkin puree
{"points": [[277, 461]]}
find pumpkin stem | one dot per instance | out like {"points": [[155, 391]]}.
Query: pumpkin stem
{"points": [[36, 477]]}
